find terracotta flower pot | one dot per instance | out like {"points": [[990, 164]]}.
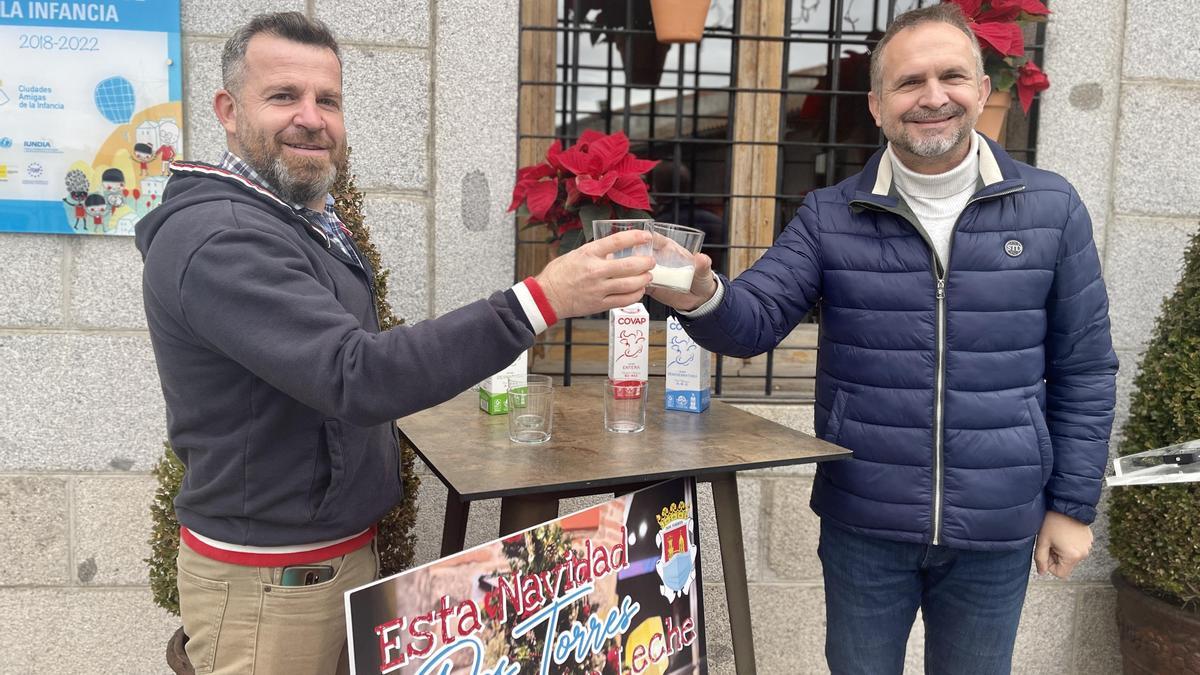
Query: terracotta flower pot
{"points": [[992, 121], [1156, 638], [679, 20]]}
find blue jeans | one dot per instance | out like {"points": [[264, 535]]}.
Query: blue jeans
{"points": [[970, 600]]}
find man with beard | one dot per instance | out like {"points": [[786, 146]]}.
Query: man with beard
{"points": [[280, 389], [965, 357]]}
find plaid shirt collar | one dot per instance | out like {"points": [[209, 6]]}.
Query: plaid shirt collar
{"points": [[328, 219]]}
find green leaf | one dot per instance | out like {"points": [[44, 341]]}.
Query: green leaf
{"points": [[1003, 80], [523, 210], [570, 241], [591, 212], [633, 213]]}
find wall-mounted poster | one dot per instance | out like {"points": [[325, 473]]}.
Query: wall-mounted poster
{"points": [[610, 590], [91, 112]]}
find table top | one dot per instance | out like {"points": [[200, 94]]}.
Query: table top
{"points": [[471, 453]]}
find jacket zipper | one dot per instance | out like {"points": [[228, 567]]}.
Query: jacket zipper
{"points": [[940, 274]]}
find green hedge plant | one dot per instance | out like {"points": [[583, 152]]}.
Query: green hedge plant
{"points": [[1155, 530]]}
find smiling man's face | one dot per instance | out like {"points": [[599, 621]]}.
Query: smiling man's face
{"points": [[930, 94], [287, 120]]}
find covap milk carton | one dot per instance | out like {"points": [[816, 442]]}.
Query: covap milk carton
{"points": [[493, 392], [629, 343], [687, 381]]}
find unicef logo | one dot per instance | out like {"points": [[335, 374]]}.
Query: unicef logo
{"points": [[5, 143], [34, 170], [1013, 248]]}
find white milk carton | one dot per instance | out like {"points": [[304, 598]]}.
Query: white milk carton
{"points": [[687, 381], [493, 392], [629, 343]]}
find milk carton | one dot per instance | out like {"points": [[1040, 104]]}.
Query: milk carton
{"points": [[629, 343], [687, 379], [493, 392]]}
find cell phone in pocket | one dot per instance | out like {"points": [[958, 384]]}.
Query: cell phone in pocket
{"points": [[306, 575]]}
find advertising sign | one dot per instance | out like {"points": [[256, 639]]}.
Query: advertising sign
{"points": [[90, 112]]}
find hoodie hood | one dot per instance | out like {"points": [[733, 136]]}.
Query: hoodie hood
{"points": [[195, 183]]}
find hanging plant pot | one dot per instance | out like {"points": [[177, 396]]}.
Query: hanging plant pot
{"points": [[644, 61], [993, 120], [679, 20]]}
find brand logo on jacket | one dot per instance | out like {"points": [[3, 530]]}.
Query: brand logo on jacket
{"points": [[1013, 248]]}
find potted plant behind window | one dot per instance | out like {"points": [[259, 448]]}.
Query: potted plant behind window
{"points": [[642, 55], [1154, 530], [596, 178], [998, 25]]}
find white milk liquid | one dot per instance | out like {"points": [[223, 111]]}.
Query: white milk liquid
{"points": [[679, 278]]}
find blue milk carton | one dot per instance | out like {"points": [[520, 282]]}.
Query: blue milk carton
{"points": [[687, 380]]}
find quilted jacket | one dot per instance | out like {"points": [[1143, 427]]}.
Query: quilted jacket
{"points": [[973, 397]]}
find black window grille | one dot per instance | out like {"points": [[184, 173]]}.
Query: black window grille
{"points": [[678, 103]]}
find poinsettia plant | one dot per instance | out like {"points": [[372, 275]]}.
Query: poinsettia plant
{"points": [[997, 25], [595, 178]]}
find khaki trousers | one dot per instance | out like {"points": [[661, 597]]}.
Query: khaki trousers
{"points": [[238, 619]]}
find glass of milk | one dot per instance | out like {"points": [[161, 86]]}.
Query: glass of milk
{"points": [[604, 227], [675, 248]]}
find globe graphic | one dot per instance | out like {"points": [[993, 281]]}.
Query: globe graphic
{"points": [[115, 99]]}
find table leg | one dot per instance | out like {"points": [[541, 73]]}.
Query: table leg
{"points": [[518, 513], [733, 559], [454, 527]]}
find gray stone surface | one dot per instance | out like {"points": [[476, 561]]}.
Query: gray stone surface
{"points": [[387, 116], [795, 530], [33, 540], [79, 402], [1097, 644], [789, 628], [400, 230], [112, 527], [1145, 260], [1160, 40], [106, 284], [476, 107], [403, 24], [1078, 115], [1047, 628], [1158, 151], [83, 630], [31, 276], [798, 416], [750, 506], [222, 18], [204, 139]]}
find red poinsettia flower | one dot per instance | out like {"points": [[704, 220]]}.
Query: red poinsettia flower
{"points": [[995, 28], [1030, 80], [597, 177]]}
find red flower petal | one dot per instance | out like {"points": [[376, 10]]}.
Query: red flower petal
{"points": [[542, 196], [631, 164], [574, 159], [596, 187], [1005, 38], [552, 154], [630, 191], [1030, 80], [607, 151]]}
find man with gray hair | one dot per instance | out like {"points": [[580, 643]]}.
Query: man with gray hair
{"points": [[965, 357], [281, 391]]}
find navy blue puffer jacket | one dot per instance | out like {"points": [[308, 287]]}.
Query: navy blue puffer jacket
{"points": [[973, 398]]}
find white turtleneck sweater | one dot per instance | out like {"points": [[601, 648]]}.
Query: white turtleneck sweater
{"points": [[938, 199]]}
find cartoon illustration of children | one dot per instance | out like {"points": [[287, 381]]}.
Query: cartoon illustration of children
{"points": [[113, 182], [77, 192], [96, 206], [168, 135], [143, 154]]}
